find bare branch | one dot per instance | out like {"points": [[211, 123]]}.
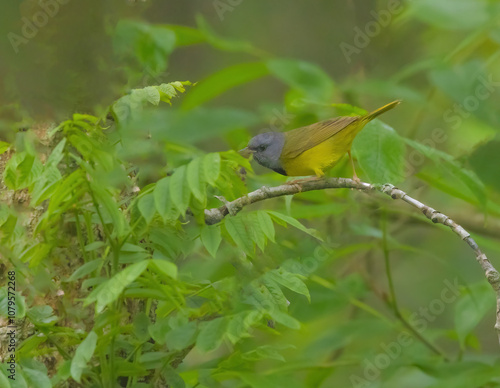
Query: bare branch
{"points": [[215, 215]]}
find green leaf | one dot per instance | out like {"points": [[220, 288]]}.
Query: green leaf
{"points": [[130, 106], [111, 210], [290, 281], [223, 43], [20, 303], [484, 161], [255, 232], [380, 153], [456, 15], [4, 146], [211, 238], [161, 195], [85, 269], [275, 291], [141, 326], [185, 36], [147, 207], [45, 185], [262, 353], [173, 378], [94, 245], [125, 368], [283, 220], [265, 223], [196, 180], [179, 190], [42, 316], [182, 336], [37, 378], [57, 154], [110, 290], [235, 226], [149, 44], [164, 266], [304, 76], [21, 170], [152, 95], [83, 355], [444, 161], [4, 381], [223, 80], [211, 334], [284, 319], [241, 323], [211, 167], [460, 374], [472, 307]]}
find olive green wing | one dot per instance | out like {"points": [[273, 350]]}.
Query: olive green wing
{"points": [[304, 138]]}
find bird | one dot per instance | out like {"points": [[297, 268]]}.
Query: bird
{"points": [[313, 149]]}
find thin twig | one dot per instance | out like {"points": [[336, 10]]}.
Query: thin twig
{"points": [[393, 302], [215, 215]]}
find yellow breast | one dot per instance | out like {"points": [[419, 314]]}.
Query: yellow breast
{"points": [[317, 160]]}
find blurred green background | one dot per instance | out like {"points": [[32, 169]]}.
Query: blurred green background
{"points": [[276, 65]]}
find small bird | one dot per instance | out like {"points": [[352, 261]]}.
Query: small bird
{"points": [[313, 149]]}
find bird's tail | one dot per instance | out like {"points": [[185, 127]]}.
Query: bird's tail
{"points": [[379, 111]]}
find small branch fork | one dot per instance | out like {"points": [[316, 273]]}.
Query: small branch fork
{"points": [[215, 215]]}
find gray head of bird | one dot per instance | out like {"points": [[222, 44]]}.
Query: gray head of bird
{"points": [[266, 149]]}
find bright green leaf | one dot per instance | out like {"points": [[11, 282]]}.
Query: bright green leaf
{"points": [[196, 180], [83, 355], [211, 238], [290, 281], [164, 266], [179, 189], [211, 167], [380, 153], [223, 80]]}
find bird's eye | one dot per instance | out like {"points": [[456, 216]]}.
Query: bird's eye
{"points": [[261, 148]]}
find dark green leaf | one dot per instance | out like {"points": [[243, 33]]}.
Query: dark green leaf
{"points": [[211, 334], [110, 290]]}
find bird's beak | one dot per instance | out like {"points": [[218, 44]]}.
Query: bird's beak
{"points": [[245, 152]]}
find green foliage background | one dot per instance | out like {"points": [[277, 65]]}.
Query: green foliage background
{"points": [[119, 123]]}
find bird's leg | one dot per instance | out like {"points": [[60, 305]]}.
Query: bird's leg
{"points": [[319, 175], [354, 176], [298, 182]]}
